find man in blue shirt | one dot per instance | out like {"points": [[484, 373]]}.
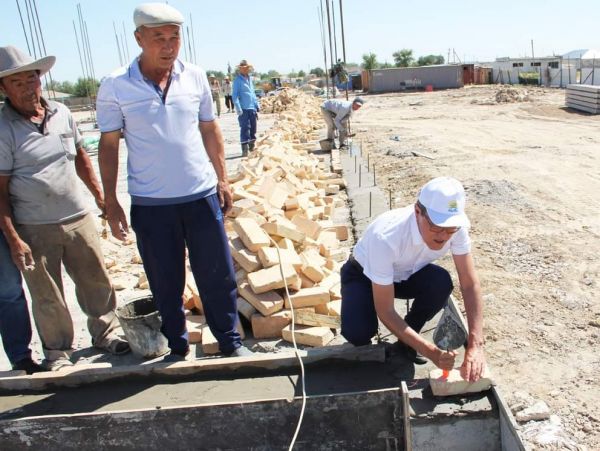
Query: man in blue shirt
{"points": [[176, 178], [246, 106]]}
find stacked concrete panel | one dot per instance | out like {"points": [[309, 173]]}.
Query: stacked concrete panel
{"points": [[584, 98]]}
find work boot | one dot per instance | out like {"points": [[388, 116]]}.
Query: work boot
{"points": [[57, 364], [251, 146], [28, 365], [245, 150]]}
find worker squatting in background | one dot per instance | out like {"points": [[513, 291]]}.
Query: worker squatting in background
{"points": [[337, 115]]}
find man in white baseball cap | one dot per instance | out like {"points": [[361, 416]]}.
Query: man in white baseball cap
{"points": [[394, 259]]}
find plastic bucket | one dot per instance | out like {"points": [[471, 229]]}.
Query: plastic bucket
{"points": [[326, 144], [141, 324]]}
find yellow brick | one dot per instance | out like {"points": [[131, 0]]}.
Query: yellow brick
{"points": [[314, 319], [308, 335], [266, 303], [245, 308], [269, 326], [310, 228], [253, 236], [269, 256], [194, 324], [282, 231], [308, 297]]}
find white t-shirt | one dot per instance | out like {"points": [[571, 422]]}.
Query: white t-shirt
{"points": [[392, 249]]}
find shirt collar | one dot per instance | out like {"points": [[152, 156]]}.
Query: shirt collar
{"points": [[14, 115], [414, 229], [136, 73]]}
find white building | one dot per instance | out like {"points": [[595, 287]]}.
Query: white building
{"points": [[577, 66]]}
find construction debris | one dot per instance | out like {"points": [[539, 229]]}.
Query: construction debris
{"points": [[584, 98]]}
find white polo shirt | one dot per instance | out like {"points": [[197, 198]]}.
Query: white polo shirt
{"points": [[166, 160], [392, 249]]}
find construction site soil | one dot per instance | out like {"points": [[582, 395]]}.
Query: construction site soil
{"points": [[531, 171]]}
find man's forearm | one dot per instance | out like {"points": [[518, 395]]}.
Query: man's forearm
{"points": [[108, 160], [85, 171], [6, 222], [474, 309], [215, 148]]}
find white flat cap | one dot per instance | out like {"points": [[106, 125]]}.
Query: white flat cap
{"points": [[156, 15]]}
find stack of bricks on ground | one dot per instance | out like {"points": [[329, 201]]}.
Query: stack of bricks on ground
{"points": [[284, 195]]}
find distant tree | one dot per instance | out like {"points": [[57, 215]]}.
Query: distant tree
{"points": [[86, 87], [430, 60], [301, 73], [292, 74], [317, 71], [403, 58], [386, 65], [370, 61], [273, 74]]}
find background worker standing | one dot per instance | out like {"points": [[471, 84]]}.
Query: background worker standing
{"points": [[246, 106], [337, 115], [215, 89]]}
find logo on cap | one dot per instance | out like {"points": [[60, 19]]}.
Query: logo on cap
{"points": [[453, 206]]}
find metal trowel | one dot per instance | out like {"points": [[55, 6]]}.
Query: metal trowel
{"points": [[449, 334]]}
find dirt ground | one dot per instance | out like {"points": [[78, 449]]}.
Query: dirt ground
{"points": [[531, 170]]}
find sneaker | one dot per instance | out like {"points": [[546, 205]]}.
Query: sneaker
{"points": [[400, 348], [29, 366], [56, 364], [242, 351]]}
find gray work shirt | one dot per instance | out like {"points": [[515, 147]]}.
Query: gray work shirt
{"points": [[44, 187], [342, 110]]}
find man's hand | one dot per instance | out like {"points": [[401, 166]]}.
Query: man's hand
{"points": [[225, 196], [239, 112], [117, 220], [474, 363], [21, 255], [443, 359]]}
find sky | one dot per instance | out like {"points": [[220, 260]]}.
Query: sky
{"points": [[285, 35]]}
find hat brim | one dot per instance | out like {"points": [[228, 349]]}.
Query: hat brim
{"points": [[446, 220], [156, 25], [246, 65], [43, 65]]}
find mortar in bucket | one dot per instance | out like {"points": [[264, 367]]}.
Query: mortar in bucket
{"points": [[327, 144], [141, 324]]}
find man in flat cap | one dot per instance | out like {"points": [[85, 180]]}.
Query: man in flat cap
{"points": [[246, 106], [337, 115], [176, 178], [394, 259], [43, 214]]}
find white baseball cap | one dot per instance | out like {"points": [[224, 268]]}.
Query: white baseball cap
{"points": [[444, 198]]}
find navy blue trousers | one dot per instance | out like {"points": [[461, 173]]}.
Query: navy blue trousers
{"points": [[163, 232], [247, 121], [430, 288]]}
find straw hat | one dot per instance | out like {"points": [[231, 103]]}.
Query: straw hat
{"points": [[13, 61], [245, 63]]}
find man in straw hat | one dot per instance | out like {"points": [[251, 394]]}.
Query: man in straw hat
{"points": [[394, 259], [246, 106], [44, 215], [176, 178]]}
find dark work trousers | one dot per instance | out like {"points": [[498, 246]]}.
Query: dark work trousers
{"points": [[430, 288], [247, 121], [229, 102], [163, 232]]}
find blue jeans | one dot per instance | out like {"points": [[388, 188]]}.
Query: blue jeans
{"points": [[430, 288], [247, 122], [163, 232], [15, 325]]}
